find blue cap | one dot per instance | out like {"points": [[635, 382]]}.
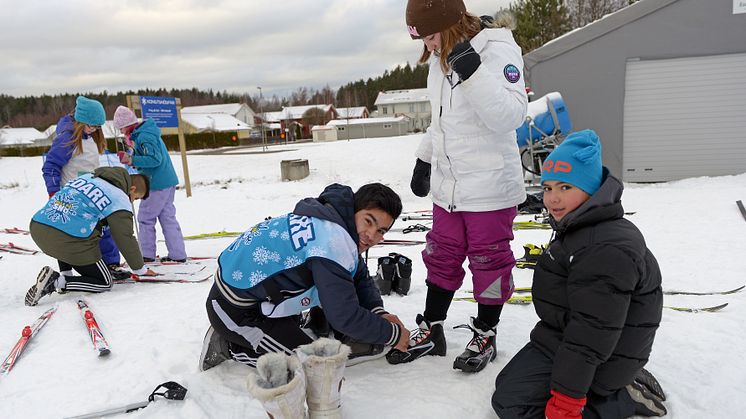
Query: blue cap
{"points": [[577, 161], [89, 111]]}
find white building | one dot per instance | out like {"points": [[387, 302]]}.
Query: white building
{"points": [[240, 111], [23, 137], [353, 113], [413, 103], [348, 129]]}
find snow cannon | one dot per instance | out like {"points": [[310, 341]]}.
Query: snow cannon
{"points": [[547, 116]]}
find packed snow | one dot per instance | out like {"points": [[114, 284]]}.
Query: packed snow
{"points": [[155, 330]]}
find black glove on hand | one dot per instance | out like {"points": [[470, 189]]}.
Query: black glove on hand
{"points": [[420, 184], [464, 60]]}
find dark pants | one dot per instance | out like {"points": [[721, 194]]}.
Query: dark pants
{"points": [[93, 278], [522, 390], [109, 249], [250, 333]]}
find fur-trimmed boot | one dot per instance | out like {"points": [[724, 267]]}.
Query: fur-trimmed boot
{"points": [[324, 364], [279, 383]]}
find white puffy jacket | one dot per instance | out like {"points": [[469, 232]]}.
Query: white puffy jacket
{"points": [[471, 140]]}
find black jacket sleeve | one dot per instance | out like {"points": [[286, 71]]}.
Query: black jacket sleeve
{"points": [[342, 308], [367, 291]]}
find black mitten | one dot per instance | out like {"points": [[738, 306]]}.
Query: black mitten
{"points": [[420, 184], [464, 60]]}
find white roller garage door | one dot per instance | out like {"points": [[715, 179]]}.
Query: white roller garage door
{"points": [[685, 117]]}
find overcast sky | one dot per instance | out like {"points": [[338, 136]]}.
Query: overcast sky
{"points": [[67, 46]]}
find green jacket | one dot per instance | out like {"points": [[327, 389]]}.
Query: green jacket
{"points": [[85, 251]]}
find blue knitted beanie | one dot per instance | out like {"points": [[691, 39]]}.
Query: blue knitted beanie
{"points": [[89, 111], [577, 161]]}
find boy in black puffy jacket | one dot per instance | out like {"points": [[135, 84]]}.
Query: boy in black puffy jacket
{"points": [[597, 292]]}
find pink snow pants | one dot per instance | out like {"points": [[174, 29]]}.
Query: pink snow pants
{"points": [[483, 237]]}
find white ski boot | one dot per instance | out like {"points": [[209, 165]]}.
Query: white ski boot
{"points": [[279, 383], [324, 364]]}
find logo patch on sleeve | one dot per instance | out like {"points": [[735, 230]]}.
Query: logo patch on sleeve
{"points": [[512, 73]]}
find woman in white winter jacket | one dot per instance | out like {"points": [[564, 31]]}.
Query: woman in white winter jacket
{"points": [[469, 162]]}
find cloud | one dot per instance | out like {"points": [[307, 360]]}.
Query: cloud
{"points": [[52, 46]]}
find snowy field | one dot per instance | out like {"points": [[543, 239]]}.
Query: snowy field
{"points": [[155, 331]]}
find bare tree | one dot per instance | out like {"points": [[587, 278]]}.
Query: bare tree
{"points": [[583, 12]]}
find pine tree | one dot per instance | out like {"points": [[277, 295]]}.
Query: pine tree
{"points": [[539, 21]]}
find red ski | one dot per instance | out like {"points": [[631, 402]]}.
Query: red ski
{"points": [[97, 338], [27, 333], [12, 248], [14, 230]]}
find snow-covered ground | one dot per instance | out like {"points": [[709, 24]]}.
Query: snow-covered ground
{"points": [[155, 331]]}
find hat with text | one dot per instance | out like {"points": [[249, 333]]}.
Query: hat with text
{"points": [[426, 17], [577, 161]]}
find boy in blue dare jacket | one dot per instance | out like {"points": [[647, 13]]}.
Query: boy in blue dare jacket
{"points": [[597, 292], [75, 150], [151, 158], [68, 228], [308, 258]]}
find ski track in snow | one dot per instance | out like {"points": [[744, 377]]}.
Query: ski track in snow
{"points": [[155, 330]]}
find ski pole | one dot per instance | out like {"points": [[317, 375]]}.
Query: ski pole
{"points": [[174, 391]]}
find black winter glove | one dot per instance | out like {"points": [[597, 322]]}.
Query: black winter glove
{"points": [[420, 184], [464, 60]]}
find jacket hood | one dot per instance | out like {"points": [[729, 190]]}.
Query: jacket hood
{"points": [[148, 125], [336, 204], [603, 205], [117, 176], [64, 124], [480, 40]]}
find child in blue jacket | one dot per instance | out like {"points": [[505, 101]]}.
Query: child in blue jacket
{"points": [[151, 158]]}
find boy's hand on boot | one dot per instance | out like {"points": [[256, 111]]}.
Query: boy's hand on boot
{"points": [[403, 343], [561, 406], [393, 318], [150, 272]]}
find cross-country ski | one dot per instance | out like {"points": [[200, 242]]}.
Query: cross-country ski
{"points": [[27, 334], [94, 330]]}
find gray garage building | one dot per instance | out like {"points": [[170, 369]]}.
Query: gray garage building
{"points": [[663, 82]]}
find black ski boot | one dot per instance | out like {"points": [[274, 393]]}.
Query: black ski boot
{"points": [[118, 273], [44, 286], [215, 350], [647, 395], [427, 339], [386, 273], [361, 351], [647, 379], [315, 321], [403, 278], [480, 351]]}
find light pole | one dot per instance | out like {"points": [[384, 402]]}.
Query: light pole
{"points": [[261, 110]]}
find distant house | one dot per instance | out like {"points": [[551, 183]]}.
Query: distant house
{"points": [[226, 117], [294, 116], [348, 129], [22, 137], [353, 113], [413, 103], [240, 111], [666, 96], [215, 122]]}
